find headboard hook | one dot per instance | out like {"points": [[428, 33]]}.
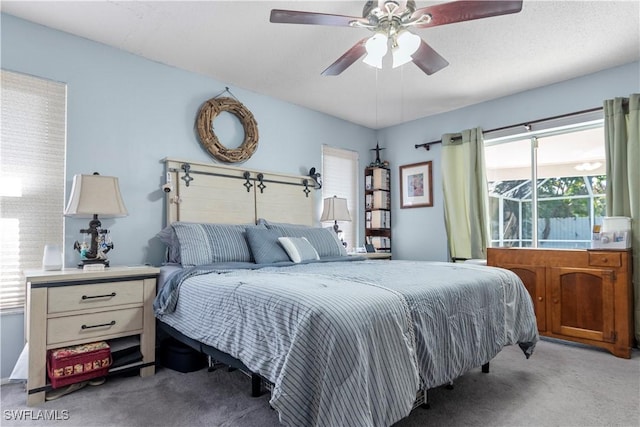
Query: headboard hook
{"points": [[306, 187], [261, 186], [186, 167], [247, 183]]}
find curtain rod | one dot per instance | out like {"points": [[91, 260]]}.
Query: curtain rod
{"points": [[527, 125]]}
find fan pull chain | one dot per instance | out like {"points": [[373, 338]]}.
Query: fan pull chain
{"points": [[401, 94], [376, 98]]}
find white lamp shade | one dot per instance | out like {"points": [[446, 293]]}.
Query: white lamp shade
{"points": [[400, 58], [374, 61], [407, 44], [95, 195], [335, 209], [376, 48]]}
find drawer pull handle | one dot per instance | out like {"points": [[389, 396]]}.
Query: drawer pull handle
{"points": [[113, 322], [111, 295]]}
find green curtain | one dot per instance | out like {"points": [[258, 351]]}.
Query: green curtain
{"points": [[622, 144], [466, 196]]}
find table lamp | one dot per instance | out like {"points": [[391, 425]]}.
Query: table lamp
{"points": [[335, 209], [93, 195]]}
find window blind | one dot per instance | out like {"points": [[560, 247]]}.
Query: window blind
{"points": [[32, 156], [340, 178]]}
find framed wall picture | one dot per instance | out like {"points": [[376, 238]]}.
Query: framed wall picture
{"points": [[416, 185]]}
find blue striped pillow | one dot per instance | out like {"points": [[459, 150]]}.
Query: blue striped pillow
{"points": [[264, 245], [202, 244]]}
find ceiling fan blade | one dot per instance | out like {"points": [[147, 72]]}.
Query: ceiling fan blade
{"points": [[313, 18], [345, 61], [428, 60], [466, 10]]}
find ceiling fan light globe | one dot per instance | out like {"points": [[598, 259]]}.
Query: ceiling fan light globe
{"points": [[374, 61], [400, 58], [376, 46], [408, 42]]}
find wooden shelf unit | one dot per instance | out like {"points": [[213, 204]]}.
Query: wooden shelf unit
{"points": [[377, 208]]}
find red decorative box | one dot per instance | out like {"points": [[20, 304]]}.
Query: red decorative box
{"points": [[78, 363]]}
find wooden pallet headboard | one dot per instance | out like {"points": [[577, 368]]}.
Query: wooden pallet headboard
{"points": [[202, 192]]}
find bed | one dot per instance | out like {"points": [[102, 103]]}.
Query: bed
{"points": [[340, 340]]}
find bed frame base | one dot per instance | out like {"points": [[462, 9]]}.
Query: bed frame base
{"points": [[423, 401], [218, 359], [259, 384]]}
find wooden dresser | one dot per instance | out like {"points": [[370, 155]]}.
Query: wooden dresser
{"points": [[578, 295]]}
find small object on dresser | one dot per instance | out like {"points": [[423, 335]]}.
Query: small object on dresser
{"points": [[52, 258], [93, 267], [615, 234], [78, 363]]}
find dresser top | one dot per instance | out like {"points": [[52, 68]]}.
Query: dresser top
{"points": [[66, 274]]}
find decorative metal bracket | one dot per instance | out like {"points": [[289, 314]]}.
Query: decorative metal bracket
{"points": [[186, 167], [247, 184], [306, 187], [315, 176], [261, 186]]}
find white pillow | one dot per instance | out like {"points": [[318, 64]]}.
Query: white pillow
{"points": [[298, 248]]}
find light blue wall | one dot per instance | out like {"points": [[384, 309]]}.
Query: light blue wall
{"points": [[125, 114], [419, 233]]}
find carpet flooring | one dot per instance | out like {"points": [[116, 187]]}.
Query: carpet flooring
{"points": [[562, 384]]}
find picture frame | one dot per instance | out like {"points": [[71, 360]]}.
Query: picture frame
{"points": [[416, 185]]}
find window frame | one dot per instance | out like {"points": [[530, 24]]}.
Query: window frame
{"points": [[32, 177], [542, 129], [335, 182]]}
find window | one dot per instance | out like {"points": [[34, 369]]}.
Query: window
{"points": [[567, 164], [340, 178], [32, 155]]}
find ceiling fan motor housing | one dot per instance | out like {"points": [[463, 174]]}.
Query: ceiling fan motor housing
{"points": [[381, 5], [388, 16]]}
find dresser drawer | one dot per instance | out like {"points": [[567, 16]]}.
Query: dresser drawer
{"points": [[81, 297], [605, 259], [90, 326]]}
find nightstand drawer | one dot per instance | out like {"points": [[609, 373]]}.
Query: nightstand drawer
{"points": [[96, 325], [81, 297]]}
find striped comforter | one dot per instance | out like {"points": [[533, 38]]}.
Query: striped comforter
{"points": [[350, 343]]}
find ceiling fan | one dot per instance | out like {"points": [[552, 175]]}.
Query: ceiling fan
{"points": [[391, 21]]}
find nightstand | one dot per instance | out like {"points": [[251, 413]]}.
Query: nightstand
{"points": [[73, 306]]}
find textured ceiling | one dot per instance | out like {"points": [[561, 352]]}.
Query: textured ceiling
{"points": [[233, 42]]}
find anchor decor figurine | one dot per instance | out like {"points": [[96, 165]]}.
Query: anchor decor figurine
{"points": [[100, 244], [93, 195]]}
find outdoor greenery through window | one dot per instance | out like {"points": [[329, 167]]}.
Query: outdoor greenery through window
{"points": [[567, 163]]}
